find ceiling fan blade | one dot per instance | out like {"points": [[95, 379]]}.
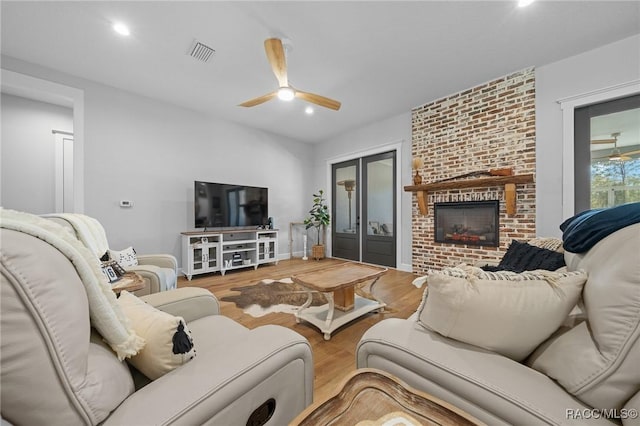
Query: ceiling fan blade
{"points": [[318, 100], [602, 141], [616, 158], [637, 151], [259, 100], [275, 55]]}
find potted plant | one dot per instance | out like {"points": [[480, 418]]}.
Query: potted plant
{"points": [[318, 218]]}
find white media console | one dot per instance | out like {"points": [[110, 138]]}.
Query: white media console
{"points": [[211, 251]]}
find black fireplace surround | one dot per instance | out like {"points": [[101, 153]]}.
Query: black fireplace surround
{"points": [[470, 223]]}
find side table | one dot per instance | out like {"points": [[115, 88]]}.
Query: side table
{"points": [[130, 281], [370, 397]]}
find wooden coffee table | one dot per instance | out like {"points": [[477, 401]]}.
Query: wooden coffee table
{"points": [[370, 397], [338, 284]]}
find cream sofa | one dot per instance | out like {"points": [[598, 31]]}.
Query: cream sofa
{"points": [[160, 270], [56, 370], [586, 374]]}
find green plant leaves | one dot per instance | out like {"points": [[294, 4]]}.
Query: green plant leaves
{"points": [[319, 213]]}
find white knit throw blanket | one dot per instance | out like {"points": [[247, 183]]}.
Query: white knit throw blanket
{"points": [[88, 229], [104, 311]]}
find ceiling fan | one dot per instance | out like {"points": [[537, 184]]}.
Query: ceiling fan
{"points": [[276, 56], [615, 155]]}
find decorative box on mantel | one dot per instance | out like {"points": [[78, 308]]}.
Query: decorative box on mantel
{"points": [[509, 183]]}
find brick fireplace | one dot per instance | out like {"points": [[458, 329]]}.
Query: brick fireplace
{"points": [[485, 127]]}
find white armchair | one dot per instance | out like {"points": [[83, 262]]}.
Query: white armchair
{"points": [[160, 270]]}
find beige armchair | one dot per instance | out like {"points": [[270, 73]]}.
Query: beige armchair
{"points": [[160, 270], [56, 370]]}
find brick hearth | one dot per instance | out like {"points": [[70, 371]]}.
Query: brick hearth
{"points": [[488, 126]]}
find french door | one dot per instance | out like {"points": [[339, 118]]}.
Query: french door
{"points": [[378, 207], [345, 223], [363, 209], [607, 153]]}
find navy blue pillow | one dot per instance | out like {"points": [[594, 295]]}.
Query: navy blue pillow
{"points": [[584, 230], [525, 257]]}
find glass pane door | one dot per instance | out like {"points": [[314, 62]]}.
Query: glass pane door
{"points": [[197, 259], [378, 206], [607, 153], [345, 215], [212, 257], [615, 158]]}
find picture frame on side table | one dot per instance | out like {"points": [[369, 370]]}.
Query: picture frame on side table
{"points": [[110, 274]]}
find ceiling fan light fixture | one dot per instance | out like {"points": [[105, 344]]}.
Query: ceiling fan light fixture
{"points": [[275, 50], [615, 157], [286, 94]]}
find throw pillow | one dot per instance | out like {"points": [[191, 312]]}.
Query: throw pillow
{"points": [[504, 312], [168, 340], [526, 257], [126, 257], [458, 271], [550, 243]]}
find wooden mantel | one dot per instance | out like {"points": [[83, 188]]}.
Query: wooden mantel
{"points": [[509, 182]]}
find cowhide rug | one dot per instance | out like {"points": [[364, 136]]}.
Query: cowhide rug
{"points": [[272, 296]]}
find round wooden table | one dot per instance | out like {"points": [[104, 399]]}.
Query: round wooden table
{"points": [[370, 397]]}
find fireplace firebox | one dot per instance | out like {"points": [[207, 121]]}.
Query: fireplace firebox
{"points": [[474, 223]]}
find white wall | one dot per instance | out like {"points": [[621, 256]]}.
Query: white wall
{"points": [[27, 165], [601, 68], [150, 152], [390, 131]]}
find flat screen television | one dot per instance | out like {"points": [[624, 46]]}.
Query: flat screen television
{"points": [[221, 205]]}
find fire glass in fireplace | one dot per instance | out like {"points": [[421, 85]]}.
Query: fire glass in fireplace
{"points": [[474, 223]]}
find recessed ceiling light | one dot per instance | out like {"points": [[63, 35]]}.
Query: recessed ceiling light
{"points": [[308, 110], [525, 3], [121, 29]]}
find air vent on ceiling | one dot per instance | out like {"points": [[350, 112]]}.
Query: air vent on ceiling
{"points": [[200, 51]]}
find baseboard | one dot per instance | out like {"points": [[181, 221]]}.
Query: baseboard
{"points": [[295, 254], [405, 267]]}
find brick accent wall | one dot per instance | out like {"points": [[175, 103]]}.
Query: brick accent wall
{"points": [[486, 127]]}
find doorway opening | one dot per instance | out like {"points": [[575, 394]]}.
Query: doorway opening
{"points": [[364, 198], [28, 87]]}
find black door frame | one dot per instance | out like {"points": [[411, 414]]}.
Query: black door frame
{"points": [[396, 150]]}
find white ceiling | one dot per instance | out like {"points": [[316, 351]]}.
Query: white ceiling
{"points": [[379, 58]]}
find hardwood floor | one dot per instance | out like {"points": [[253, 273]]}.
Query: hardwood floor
{"points": [[335, 358]]}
